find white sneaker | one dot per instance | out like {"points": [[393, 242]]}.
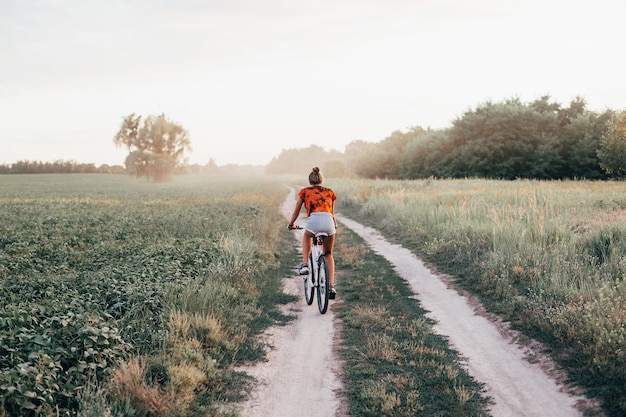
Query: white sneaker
{"points": [[303, 269], [331, 292]]}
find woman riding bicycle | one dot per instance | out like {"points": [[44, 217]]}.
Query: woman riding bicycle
{"points": [[320, 210]]}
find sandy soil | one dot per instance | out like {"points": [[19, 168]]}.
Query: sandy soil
{"points": [[302, 376]]}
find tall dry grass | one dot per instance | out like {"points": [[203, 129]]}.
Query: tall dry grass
{"points": [[551, 256]]}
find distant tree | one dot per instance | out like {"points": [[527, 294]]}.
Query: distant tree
{"points": [[289, 161], [423, 155], [56, 167], [210, 168], [336, 168], [612, 152], [127, 135], [156, 146], [355, 155], [300, 161], [498, 141], [509, 139], [211, 165], [382, 159], [579, 138], [544, 106], [390, 151], [516, 140]]}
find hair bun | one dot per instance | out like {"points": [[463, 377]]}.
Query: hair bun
{"points": [[315, 177]]}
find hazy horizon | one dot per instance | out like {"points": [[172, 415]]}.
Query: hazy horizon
{"points": [[250, 78]]}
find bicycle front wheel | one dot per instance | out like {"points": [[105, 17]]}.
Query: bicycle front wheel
{"points": [[309, 289], [322, 287]]}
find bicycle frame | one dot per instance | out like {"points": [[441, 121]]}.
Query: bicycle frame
{"points": [[321, 271], [316, 251], [318, 274]]}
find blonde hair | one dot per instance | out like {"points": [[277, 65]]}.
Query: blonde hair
{"points": [[315, 177]]}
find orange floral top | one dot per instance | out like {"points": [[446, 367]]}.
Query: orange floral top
{"points": [[317, 198]]}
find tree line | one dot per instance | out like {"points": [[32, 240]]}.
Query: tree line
{"points": [[156, 149], [59, 167], [506, 140]]}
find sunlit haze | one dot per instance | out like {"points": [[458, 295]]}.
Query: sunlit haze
{"points": [[249, 78]]}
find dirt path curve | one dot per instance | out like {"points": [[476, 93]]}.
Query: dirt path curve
{"points": [[300, 377], [517, 387]]}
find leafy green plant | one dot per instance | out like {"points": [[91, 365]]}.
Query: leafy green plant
{"points": [[92, 268], [46, 354]]}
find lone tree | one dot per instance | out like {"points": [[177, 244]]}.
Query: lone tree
{"points": [[612, 152], [156, 147]]}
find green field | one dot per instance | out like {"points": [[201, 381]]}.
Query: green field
{"points": [[548, 256], [122, 297], [126, 298]]}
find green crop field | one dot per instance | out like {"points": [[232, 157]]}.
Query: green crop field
{"points": [[121, 297]]}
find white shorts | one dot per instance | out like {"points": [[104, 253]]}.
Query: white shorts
{"points": [[320, 222]]}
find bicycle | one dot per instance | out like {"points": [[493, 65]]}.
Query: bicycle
{"points": [[318, 274]]}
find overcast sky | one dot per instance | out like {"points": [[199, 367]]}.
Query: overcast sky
{"points": [[249, 78]]}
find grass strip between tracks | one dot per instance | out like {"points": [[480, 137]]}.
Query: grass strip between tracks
{"points": [[395, 365]]}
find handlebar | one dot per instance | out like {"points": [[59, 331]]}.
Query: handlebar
{"points": [[294, 227]]}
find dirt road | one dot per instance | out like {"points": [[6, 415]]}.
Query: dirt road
{"points": [[518, 387], [301, 377]]}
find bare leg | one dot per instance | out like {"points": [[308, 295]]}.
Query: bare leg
{"points": [[329, 243], [306, 246]]}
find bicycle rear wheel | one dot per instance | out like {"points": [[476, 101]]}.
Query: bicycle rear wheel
{"points": [[322, 287], [309, 289]]}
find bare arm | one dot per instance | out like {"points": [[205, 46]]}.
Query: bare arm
{"points": [[296, 211]]}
